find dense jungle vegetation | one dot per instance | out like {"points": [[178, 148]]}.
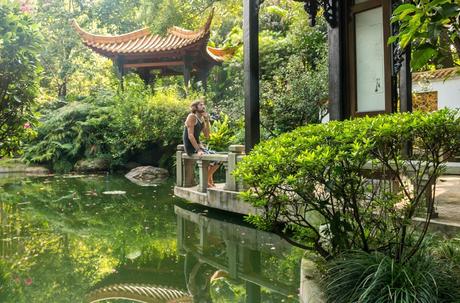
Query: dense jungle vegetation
{"points": [[68, 101], [62, 103]]}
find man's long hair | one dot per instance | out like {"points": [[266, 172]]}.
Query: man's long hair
{"points": [[194, 105]]}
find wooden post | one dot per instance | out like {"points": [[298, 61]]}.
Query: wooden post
{"points": [[252, 264], [203, 171], [119, 61], [187, 72], [251, 72], [339, 108], [405, 93], [230, 181], [203, 75], [405, 83]]}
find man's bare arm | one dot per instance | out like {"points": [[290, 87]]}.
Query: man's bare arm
{"points": [[206, 126]]}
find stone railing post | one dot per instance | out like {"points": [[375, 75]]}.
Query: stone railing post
{"points": [[203, 171], [234, 152], [185, 169], [179, 166]]}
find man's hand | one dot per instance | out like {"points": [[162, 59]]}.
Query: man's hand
{"points": [[205, 116], [200, 153]]}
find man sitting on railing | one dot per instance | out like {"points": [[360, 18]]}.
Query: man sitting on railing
{"points": [[198, 121]]}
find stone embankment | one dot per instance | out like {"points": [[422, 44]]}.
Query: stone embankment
{"points": [[16, 166]]}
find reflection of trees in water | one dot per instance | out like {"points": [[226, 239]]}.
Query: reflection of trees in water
{"points": [[71, 239], [229, 261], [61, 236]]}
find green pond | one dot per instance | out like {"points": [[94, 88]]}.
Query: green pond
{"points": [[101, 238]]}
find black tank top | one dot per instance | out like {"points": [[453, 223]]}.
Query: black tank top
{"points": [[189, 149]]}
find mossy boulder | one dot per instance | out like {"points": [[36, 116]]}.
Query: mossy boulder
{"points": [[147, 175], [92, 165]]}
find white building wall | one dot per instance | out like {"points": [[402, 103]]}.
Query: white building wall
{"points": [[448, 91]]}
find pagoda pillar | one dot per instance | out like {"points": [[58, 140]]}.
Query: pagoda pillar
{"points": [[187, 72], [203, 75], [119, 61]]}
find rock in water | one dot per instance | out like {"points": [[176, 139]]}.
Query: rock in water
{"points": [[92, 165], [147, 175]]}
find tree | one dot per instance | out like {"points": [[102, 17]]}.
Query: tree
{"points": [[432, 28], [19, 68], [62, 46]]}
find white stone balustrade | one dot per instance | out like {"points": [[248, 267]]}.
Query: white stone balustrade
{"points": [[185, 168]]}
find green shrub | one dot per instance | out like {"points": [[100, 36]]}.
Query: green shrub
{"points": [[377, 278], [296, 96], [19, 68], [141, 119], [223, 134], [348, 185], [71, 132], [110, 125]]}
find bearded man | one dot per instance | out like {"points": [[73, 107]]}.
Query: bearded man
{"points": [[198, 121]]}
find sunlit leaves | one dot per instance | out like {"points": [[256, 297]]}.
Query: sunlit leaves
{"points": [[351, 176], [432, 27]]}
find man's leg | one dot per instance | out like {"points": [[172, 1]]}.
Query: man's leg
{"points": [[211, 170]]}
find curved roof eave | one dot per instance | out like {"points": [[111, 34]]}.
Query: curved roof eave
{"points": [[144, 40]]}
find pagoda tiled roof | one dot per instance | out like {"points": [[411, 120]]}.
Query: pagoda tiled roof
{"points": [[144, 42], [439, 74]]}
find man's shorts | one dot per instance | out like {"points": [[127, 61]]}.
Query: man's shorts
{"points": [[211, 152]]}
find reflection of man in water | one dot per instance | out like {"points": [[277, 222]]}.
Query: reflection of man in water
{"points": [[197, 122], [197, 279], [206, 284]]}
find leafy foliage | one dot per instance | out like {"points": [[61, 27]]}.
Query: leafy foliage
{"points": [[222, 134], [67, 134], [98, 120], [293, 70], [110, 125], [296, 96], [348, 185], [19, 68], [375, 277], [433, 28]]}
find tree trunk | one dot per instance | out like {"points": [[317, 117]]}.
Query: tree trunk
{"points": [[446, 54], [62, 91]]}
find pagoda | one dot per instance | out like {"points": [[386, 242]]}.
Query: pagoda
{"points": [[179, 52]]}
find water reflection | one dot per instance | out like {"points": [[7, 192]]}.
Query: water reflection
{"points": [[63, 240], [62, 236], [229, 261]]}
